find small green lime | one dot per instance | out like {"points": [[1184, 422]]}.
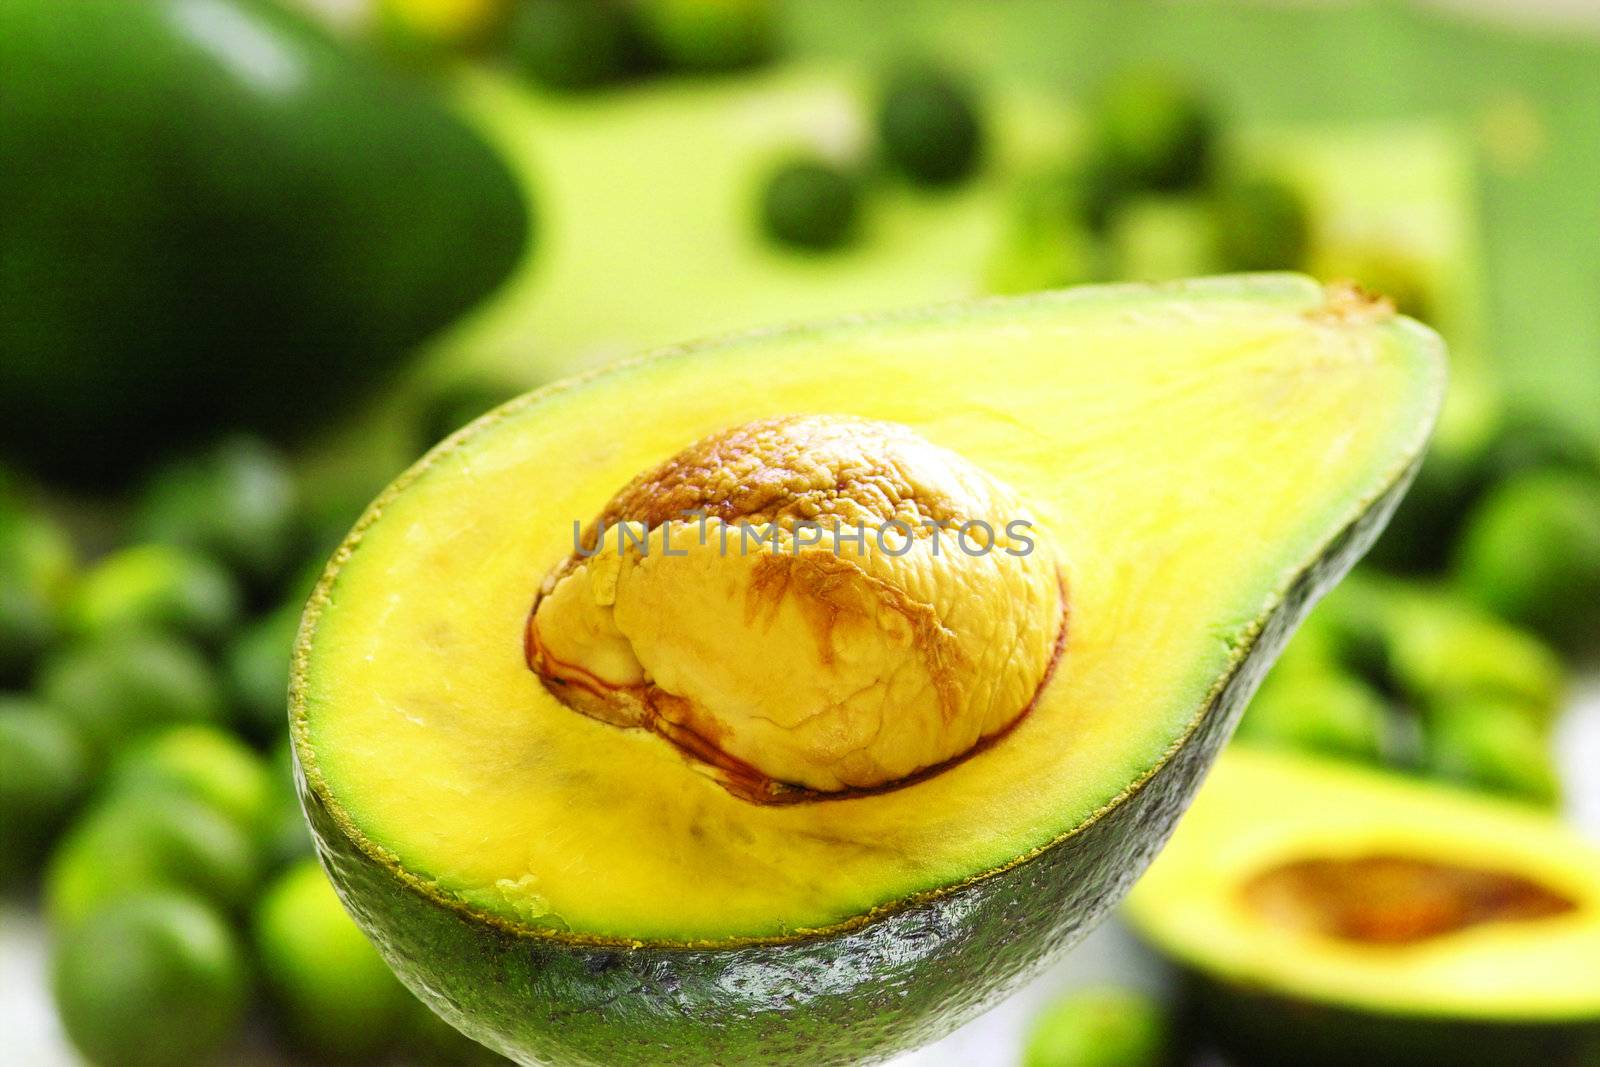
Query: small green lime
{"points": [[1326, 711], [37, 568], [236, 502], [1493, 746], [151, 980], [1442, 648], [202, 762], [573, 44], [1099, 1028], [1262, 224], [1154, 131], [810, 203], [705, 35], [336, 997], [1531, 552], [1354, 620], [150, 839], [1528, 441], [929, 126], [123, 685], [44, 771], [256, 666], [154, 586]]}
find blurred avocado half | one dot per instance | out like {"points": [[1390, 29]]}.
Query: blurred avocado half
{"points": [[1326, 915]]}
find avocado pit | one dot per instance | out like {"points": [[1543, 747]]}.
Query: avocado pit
{"points": [[1383, 899], [808, 606]]}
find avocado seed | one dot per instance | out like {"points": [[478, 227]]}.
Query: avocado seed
{"points": [[807, 605]]}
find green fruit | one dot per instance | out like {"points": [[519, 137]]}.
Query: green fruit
{"points": [[44, 771], [156, 587], [1318, 711], [237, 502], [1100, 1028], [153, 980], [1493, 746], [198, 228], [37, 565], [1441, 652], [1163, 238], [568, 891], [256, 665], [201, 762], [709, 34], [1262, 225], [929, 126], [1354, 621], [1531, 552], [573, 44], [149, 840], [1326, 915], [1154, 132], [1432, 647], [809, 203], [117, 687], [335, 996]]}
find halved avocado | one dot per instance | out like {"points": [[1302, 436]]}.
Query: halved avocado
{"points": [[1205, 459], [1332, 915]]}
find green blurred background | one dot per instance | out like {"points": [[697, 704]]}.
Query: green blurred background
{"points": [[256, 260]]}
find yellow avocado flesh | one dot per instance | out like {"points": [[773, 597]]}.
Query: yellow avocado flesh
{"points": [[1260, 811], [1189, 449]]}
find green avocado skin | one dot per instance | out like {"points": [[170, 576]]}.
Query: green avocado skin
{"points": [[899, 981], [215, 214], [1260, 1028]]}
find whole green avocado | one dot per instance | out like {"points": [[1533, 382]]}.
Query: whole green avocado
{"points": [[217, 214]]}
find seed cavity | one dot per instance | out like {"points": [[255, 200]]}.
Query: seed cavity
{"points": [[1386, 899]]}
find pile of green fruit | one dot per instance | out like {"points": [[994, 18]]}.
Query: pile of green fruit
{"points": [[1450, 658], [930, 133], [585, 45], [1458, 673], [146, 786], [1152, 191]]}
